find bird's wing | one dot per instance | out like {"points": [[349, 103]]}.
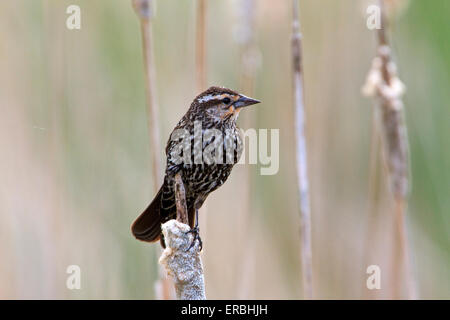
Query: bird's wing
{"points": [[179, 148]]}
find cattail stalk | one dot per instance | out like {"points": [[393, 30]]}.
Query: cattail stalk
{"points": [[180, 200], [301, 155], [383, 83], [145, 11], [185, 266]]}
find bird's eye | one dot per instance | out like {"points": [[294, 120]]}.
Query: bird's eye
{"points": [[226, 100]]}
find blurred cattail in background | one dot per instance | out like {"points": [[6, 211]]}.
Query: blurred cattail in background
{"points": [[383, 83], [145, 10]]}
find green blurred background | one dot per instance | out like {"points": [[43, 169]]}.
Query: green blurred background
{"points": [[75, 160]]}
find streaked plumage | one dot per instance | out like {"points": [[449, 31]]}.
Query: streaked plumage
{"points": [[215, 109]]}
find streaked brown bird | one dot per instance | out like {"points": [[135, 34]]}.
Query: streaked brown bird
{"points": [[204, 146]]}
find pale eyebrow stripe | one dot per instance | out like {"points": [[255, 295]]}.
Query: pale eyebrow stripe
{"points": [[206, 98], [211, 97]]}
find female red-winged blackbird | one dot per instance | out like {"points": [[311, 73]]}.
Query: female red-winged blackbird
{"points": [[203, 147]]}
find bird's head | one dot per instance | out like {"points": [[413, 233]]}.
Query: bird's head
{"points": [[220, 104]]}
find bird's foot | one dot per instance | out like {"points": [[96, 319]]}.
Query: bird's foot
{"points": [[196, 232]]}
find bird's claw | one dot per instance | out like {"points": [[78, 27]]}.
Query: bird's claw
{"points": [[196, 232]]}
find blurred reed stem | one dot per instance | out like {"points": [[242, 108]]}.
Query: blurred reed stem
{"points": [[200, 43], [145, 12], [373, 196], [249, 57], [301, 155], [396, 144], [387, 87]]}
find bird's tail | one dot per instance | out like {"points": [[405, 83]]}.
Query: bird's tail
{"points": [[147, 227]]}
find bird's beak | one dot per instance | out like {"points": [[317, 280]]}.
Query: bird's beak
{"points": [[245, 101]]}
